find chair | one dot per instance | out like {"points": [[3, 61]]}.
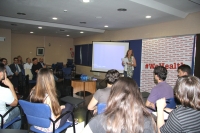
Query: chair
{"points": [[101, 108], [171, 103], [4, 126], [39, 114], [67, 73]]}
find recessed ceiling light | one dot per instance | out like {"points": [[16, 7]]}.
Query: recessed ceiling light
{"points": [[54, 18], [122, 9], [82, 22], [67, 35], [21, 13], [39, 27], [99, 17], [106, 26], [81, 32], [65, 10], [86, 1], [148, 16], [31, 32]]}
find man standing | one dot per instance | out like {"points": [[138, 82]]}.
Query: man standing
{"points": [[8, 96], [162, 89], [8, 70], [184, 70], [35, 68], [17, 69], [42, 62]]}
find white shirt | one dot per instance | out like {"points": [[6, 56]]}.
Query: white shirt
{"points": [[125, 67], [28, 66], [6, 97]]}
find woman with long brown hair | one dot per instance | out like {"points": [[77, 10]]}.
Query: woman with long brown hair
{"points": [[125, 112], [130, 64], [45, 92]]}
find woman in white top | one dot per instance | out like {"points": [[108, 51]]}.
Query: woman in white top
{"points": [[129, 66]]}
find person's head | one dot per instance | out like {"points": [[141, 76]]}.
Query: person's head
{"points": [[41, 60], [125, 107], [2, 71], [15, 60], [187, 91], [28, 60], [35, 61], [160, 73], [112, 76], [19, 58], [184, 70], [45, 84], [129, 53], [4, 61]]}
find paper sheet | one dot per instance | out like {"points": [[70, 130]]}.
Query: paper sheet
{"points": [[166, 115], [125, 60]]}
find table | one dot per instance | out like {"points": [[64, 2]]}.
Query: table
{"points": [[79, 85], [72, 100], [13, 131]]}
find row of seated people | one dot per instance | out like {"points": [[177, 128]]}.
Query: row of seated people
{"points": [[17, 69], [43, 92], [126, 111]]}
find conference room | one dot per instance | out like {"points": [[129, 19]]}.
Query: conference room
{"points": [[159, 33]]}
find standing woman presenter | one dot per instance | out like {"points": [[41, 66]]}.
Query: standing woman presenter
{"points": [[129, 66]]}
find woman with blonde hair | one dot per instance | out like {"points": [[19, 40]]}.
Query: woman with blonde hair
{"points": [[45, 92], [125, 112]]}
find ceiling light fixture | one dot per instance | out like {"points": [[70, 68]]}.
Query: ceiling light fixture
{"points": [[148, 16], [21, 13], [106, 26], [86, 1], [67, 35], [54, 18], [39, 27], [81, 32], [82, 22], [65, 10], [122, 9], [31, 32]]}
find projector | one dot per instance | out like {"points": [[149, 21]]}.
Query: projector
{"points": [[2, 39]]}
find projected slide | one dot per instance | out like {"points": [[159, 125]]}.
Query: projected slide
{"points": [[108, 55]]}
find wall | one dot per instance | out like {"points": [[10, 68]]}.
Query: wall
{"points": [[189, 25], [57, 49], [5, 47]]}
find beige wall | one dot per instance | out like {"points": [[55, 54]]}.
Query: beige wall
{"points": [[189, 25], [5, 47], [57, 51]]}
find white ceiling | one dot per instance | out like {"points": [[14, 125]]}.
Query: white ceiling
{"points": [[40, 13]]}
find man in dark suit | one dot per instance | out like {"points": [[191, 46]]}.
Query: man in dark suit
{"points": [[18, 71]]}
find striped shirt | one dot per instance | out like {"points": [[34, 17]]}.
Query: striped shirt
{"points": [[182, 120]]}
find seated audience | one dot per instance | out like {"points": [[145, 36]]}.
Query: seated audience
{"points": [[28, 64], [37, 66], [45, 92], [125, 112], [101, 95], [8, 97], [18, 70], [162, 89], [20, 60], [42, 62], [186, 117], [8, 70], [184, 70]]}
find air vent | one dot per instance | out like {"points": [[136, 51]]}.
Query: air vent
{"points": [[122, 9]]}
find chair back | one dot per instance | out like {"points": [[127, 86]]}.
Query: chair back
{"points": [[38, 114], [67, 72], [171, 103], [101, 108]]}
